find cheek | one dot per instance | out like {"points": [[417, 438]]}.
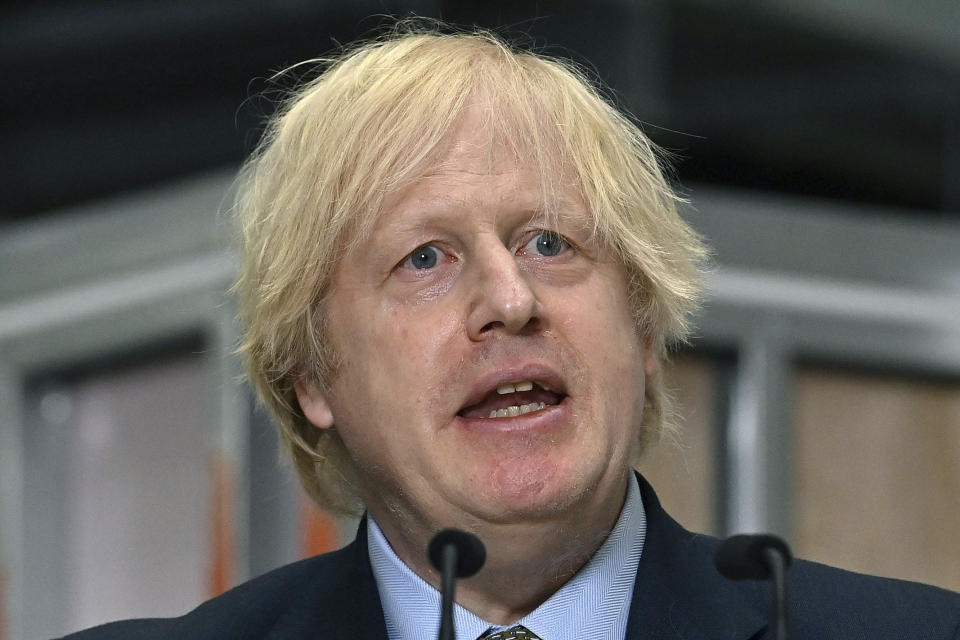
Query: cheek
{"points": [[619, 353], [418, 330], [403, 356], [369, 336]]}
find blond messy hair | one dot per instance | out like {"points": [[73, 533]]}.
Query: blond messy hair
{"points": [[367, 126]]}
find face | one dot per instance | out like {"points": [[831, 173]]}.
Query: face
{"points": [[491, 372]]}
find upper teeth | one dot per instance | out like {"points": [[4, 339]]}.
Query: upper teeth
{"points": [[525, 385]]}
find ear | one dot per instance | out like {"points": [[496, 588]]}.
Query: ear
{"points": [[314, 404], [651, 364]]}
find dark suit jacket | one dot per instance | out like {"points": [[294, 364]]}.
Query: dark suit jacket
{"points": [[678, 594]]}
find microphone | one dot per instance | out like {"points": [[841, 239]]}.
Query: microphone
{"points": [[455, 554], [759, 557]]}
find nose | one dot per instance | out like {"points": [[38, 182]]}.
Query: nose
{"points": [[503, 298]]}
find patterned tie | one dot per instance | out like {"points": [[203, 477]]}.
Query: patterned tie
{"points": [[518, 632]]}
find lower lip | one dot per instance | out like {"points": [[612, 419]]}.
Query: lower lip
{"points": [[547, 419]]}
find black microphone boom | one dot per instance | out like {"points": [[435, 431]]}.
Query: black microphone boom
{"points": [[742, 557], [759, 557], [471, 554], [455, 554]]}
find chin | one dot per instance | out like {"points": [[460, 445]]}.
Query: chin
{"points": [[523, 494]]}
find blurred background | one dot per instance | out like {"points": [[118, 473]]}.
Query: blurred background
{"points": [[818, 143]]}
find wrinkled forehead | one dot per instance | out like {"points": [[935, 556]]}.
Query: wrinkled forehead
{"points": [[486, 140], [478, 143]]}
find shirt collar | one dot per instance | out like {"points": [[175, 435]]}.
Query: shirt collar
{"points": [[594, 603]]}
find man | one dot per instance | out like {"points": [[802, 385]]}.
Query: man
{"points": [[462, 271]]}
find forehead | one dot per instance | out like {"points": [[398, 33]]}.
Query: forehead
{"points": [[475, 144], [481, 160]]}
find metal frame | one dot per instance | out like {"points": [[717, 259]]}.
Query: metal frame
{"points": [[811, 280], [98, 281]]}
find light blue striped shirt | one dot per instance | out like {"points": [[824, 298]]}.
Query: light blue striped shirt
{"points": [[593, 605]]}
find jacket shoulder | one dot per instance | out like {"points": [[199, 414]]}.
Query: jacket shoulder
{"points": [[831, 602], [828, 602], [823, 601]]}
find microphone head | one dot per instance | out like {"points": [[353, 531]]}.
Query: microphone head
{"points": [[741, 557], [471, 554]]}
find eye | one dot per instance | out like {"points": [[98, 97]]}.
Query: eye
{"points": [[425, 257], [546, 243]]}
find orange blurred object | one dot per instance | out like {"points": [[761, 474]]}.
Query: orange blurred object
{"points": [[221, 575], [319, 531]]}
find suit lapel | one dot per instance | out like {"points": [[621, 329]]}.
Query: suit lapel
{"points": [[342, 601], [678, 593]]}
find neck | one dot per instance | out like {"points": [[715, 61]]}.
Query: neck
{"points": [[534, 558]]}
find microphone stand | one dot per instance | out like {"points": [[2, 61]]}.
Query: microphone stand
{"points": [[759, 557], [455, 554], [448, 580], [778, 569]]}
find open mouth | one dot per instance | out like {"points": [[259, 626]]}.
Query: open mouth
{"points": [[513, 399]]}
